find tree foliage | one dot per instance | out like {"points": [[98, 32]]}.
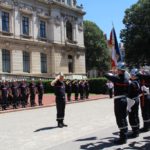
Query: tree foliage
{"points": [[97, 54], [136, 35]]}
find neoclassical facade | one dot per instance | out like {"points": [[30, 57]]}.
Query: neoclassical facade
{"points": [[41, 38]]}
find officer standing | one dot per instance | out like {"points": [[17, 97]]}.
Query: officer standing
{"points": [[4, 95], [40, 89], [23, 93], [145, 99], [68, 89], [76, 89], [133, 94], [81, 89], [121, 84], [59, 86], [14, 91], [87, 89], [32, 89]]}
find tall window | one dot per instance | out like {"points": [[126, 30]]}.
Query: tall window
{"points": [[43, 63], [69, 2], [69, 30], [25, 25], [26, 62], [6, 60], [5, 21], [42, 29], [70, 64]]}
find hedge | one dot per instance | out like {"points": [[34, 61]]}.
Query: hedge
{"points": [[97, 86]]}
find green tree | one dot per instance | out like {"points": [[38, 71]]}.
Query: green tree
{"points": [[136, 35], [97, 53]]}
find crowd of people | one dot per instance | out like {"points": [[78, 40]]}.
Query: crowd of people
{"points": [[131, 90], [20, 93]]}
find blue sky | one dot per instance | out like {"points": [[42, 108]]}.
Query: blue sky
{"points": [[104, 12]]}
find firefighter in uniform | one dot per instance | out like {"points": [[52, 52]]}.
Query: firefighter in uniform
{"points": [[87, 89], [40, 90], [14, 91], [68, 89], [121, 83], [76, 89], [133, 94], [59, 86], [81, 89], [145, 99], [4, 95], [32, 89]]}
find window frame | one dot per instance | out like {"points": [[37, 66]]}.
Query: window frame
{"points": [[26, 61]]}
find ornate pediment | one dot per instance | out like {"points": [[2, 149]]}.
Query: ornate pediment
{"points": [[25, 8], [6, 4]]}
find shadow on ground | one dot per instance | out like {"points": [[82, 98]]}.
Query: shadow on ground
{"points": [[45, 128], [100, 144]]}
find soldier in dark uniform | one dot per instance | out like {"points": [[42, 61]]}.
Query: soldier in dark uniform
{"points": [[87, 89], [76, 89], [15, 93], [32, 88], [23, 93], [81, 89], [133, 94], [4, 95], [145, 99], [121, 83], [68, 89], [59, 86], [40, 90]]}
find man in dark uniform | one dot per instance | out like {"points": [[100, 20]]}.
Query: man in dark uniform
{"points": [[133, 94], [23, 93], [145, 99], [68, 89], [81, 89], [32, 88], [4, 95], [87, 89], [40, 90], [121, 83], [15, 94], [59, 86], [76, 89]]}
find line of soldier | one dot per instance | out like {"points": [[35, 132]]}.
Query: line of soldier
{"points": [[130, 91], [17, 93], [80, 88]]}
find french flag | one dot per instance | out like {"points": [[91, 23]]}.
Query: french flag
{"points": [[115, 51]]}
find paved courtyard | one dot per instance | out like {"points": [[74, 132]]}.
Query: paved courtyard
{"points": [[91, 126]]}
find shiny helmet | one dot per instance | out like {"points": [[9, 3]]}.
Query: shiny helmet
{"points": [[134, 72], [121, 66]]}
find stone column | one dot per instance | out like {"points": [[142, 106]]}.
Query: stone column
{"points": [[0, 60], [35, 62], [16, 61]]}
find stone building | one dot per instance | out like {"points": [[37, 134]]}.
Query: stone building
{"points": [[39, 38]]}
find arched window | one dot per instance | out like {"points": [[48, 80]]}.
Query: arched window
{"points": [[43, 63], [70, 64], [69, 30], [6, 60], [26, 62]]}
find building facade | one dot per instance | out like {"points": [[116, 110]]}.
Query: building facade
{"points": [[41, 38]]}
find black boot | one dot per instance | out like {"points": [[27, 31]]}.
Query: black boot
{"points": [[134, 134], [60, 125], [64, 125], [146, 127]]}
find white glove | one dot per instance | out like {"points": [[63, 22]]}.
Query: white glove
{"points": [[130, 103]]}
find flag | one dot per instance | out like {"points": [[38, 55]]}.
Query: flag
{"points": [[115, 51]]}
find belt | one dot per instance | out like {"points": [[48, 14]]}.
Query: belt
{"points": [[120, 96]]}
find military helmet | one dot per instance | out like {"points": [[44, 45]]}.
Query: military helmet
{"points": [[134, 71], [121, 66]]}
